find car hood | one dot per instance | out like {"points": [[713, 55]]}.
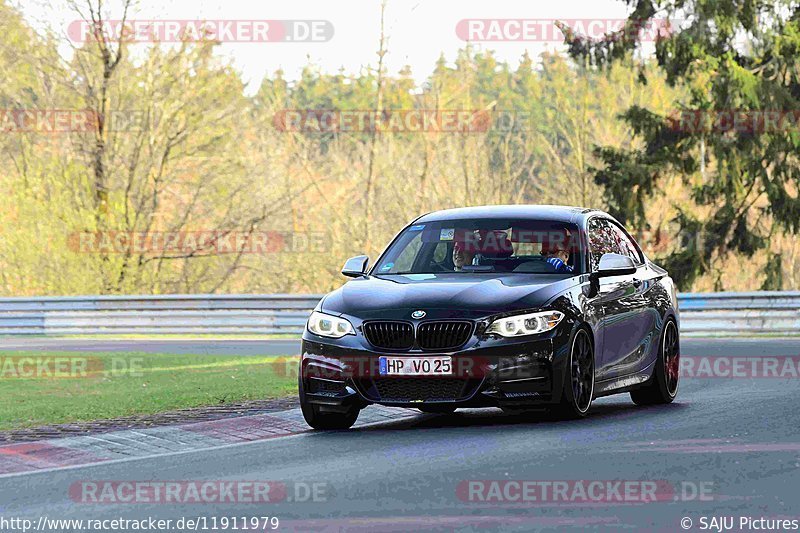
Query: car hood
{"points": [[444, 295]]}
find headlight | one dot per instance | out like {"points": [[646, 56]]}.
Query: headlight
{"points": [[329, 326], [530, 324]]}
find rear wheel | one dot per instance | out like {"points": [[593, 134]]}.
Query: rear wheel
{"points": [[663, 386], [317, 418], [579, 382]]}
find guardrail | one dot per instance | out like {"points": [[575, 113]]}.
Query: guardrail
{"points": [[744, 313], [153, 315], [740, 313]]}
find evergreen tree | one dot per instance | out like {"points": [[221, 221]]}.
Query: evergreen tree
{"points": [[735, 58]]}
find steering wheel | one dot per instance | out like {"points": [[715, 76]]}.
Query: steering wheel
{"points": [[438, 267]]}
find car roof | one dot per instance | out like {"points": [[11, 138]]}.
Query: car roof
{"points": [[560, 213]]}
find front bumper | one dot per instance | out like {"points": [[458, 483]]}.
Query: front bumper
{"points": [[499, 372]]}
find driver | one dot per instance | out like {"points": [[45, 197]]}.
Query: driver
{"points": [[462, 255], [464, 250]]}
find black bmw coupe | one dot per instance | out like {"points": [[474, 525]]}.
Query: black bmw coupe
{"points": [[517, 307]]}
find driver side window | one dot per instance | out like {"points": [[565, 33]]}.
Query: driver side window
{"points": [[626, 245], [603, 239]]}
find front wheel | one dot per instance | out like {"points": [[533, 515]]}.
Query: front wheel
{"points": [[663, 386], [318, 419], [579, 381]]}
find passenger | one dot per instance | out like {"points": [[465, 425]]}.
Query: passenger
{"points": [[557, 253]]}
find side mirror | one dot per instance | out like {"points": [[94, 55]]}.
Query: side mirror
{"points": [[355, 267], [615, 265]]}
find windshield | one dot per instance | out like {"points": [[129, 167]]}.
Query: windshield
{"points": [[485, 246]]}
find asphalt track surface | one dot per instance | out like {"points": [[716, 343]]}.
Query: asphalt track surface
{"points": [[736, 441], [689, 346]]}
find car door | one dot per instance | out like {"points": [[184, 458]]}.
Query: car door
{"points": [[624, 320]]}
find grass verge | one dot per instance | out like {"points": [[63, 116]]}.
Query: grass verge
{"points": [[41, 388]]}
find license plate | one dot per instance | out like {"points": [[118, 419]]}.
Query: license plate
{"points": [[416, 366]]}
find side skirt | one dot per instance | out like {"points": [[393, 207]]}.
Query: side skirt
{"points": [[623, 383]]}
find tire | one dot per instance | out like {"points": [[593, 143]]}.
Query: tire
{"points": [[578, 393], [437, 409], [662, 387], [322, 420]]}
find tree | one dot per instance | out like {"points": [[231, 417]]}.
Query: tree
{"points": [[165, 155], [735, 58]]}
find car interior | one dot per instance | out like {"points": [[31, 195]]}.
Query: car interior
{"points": [[513, 250]]}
